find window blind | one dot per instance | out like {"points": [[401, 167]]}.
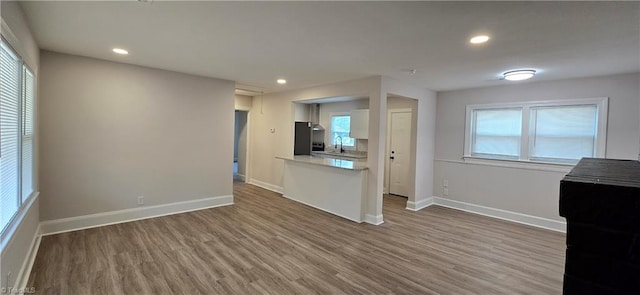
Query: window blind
{"points": [[562, 133], [496, 132], [10, 70]]}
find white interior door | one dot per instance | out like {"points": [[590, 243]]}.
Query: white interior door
{"points": [[399, 153]]}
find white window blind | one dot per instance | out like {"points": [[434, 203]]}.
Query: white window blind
{"points": [[563, 134], [28, 100], [555, 132], [10, 70], [496, 132]]}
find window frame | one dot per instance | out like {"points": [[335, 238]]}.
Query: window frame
{"points": [[341, 114], [32, 136], [601, 104], [24, 202]]}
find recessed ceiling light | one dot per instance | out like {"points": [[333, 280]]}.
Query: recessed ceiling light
{"points": [[479, 39], [281, 81], [120, 51], [519, 75]]}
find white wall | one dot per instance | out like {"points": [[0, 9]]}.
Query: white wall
{"points": [[531, 192], [112, 132], [243, 102], [278, 112], [19, 239], [421, 192]]}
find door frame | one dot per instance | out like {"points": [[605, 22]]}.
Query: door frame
{"points": [[248, 153], [387, 163]]}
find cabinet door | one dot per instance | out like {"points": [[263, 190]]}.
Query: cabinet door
{"points": [[359, 124]]}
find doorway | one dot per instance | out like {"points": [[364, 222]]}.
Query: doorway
{"points": [[399, 143], [240, 146], [400, 149]]}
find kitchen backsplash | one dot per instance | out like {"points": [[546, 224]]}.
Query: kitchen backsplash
{"points": [[362, 145]]}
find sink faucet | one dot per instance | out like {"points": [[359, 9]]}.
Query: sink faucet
{"points": [[336, 146]]}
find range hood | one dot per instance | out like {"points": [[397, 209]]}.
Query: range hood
{"points": [[314, 114]]}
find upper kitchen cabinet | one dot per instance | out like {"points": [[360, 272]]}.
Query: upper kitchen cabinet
{"points": [[359, 124]]}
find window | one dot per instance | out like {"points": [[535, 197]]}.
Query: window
{"points": [[563, 133], [496, 133], [547, 132], [17, 98], [340, 127]]}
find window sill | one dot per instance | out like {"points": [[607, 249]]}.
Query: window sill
{"points": [[16, 222], [519, 164]]}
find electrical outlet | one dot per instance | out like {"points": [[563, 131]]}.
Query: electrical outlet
{"points": [[445, 191], [445, 183], [140, 200]]}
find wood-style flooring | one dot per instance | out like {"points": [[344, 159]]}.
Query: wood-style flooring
{"points": [[267, 244]]}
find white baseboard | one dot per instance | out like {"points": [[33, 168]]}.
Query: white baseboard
{"points": [[373, 219], [126, 215], [25, 271], [419, 205], [545, 223], [265, 185], [241, 177]]}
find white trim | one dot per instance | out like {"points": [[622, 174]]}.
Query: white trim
{"points": [[241, 177], [373, 219], [133, 214], [242, 108], [25, 271], [16, 222], [510, 164], [9, 235], [17, 45], [516, 164], [535, 221], [419, 205], [265, 185], [322, 209], [601, 103]]}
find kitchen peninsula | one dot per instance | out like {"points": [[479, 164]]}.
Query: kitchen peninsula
{"points": [[335, 185]]}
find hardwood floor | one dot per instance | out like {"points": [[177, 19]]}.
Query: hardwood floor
{"points": [[268, 244]]}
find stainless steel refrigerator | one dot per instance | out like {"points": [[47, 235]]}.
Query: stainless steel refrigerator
{"points": [[303, 138]]}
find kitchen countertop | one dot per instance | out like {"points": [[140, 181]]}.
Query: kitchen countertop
{"points": [[349, 164], [350, 155]]}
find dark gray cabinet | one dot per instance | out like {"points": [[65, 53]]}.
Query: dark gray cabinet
{"points": [[600, 198]]}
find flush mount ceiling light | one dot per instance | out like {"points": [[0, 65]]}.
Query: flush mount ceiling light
{"points": [[281, 81], [479, 39], [120, 51], [519, 75]]}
